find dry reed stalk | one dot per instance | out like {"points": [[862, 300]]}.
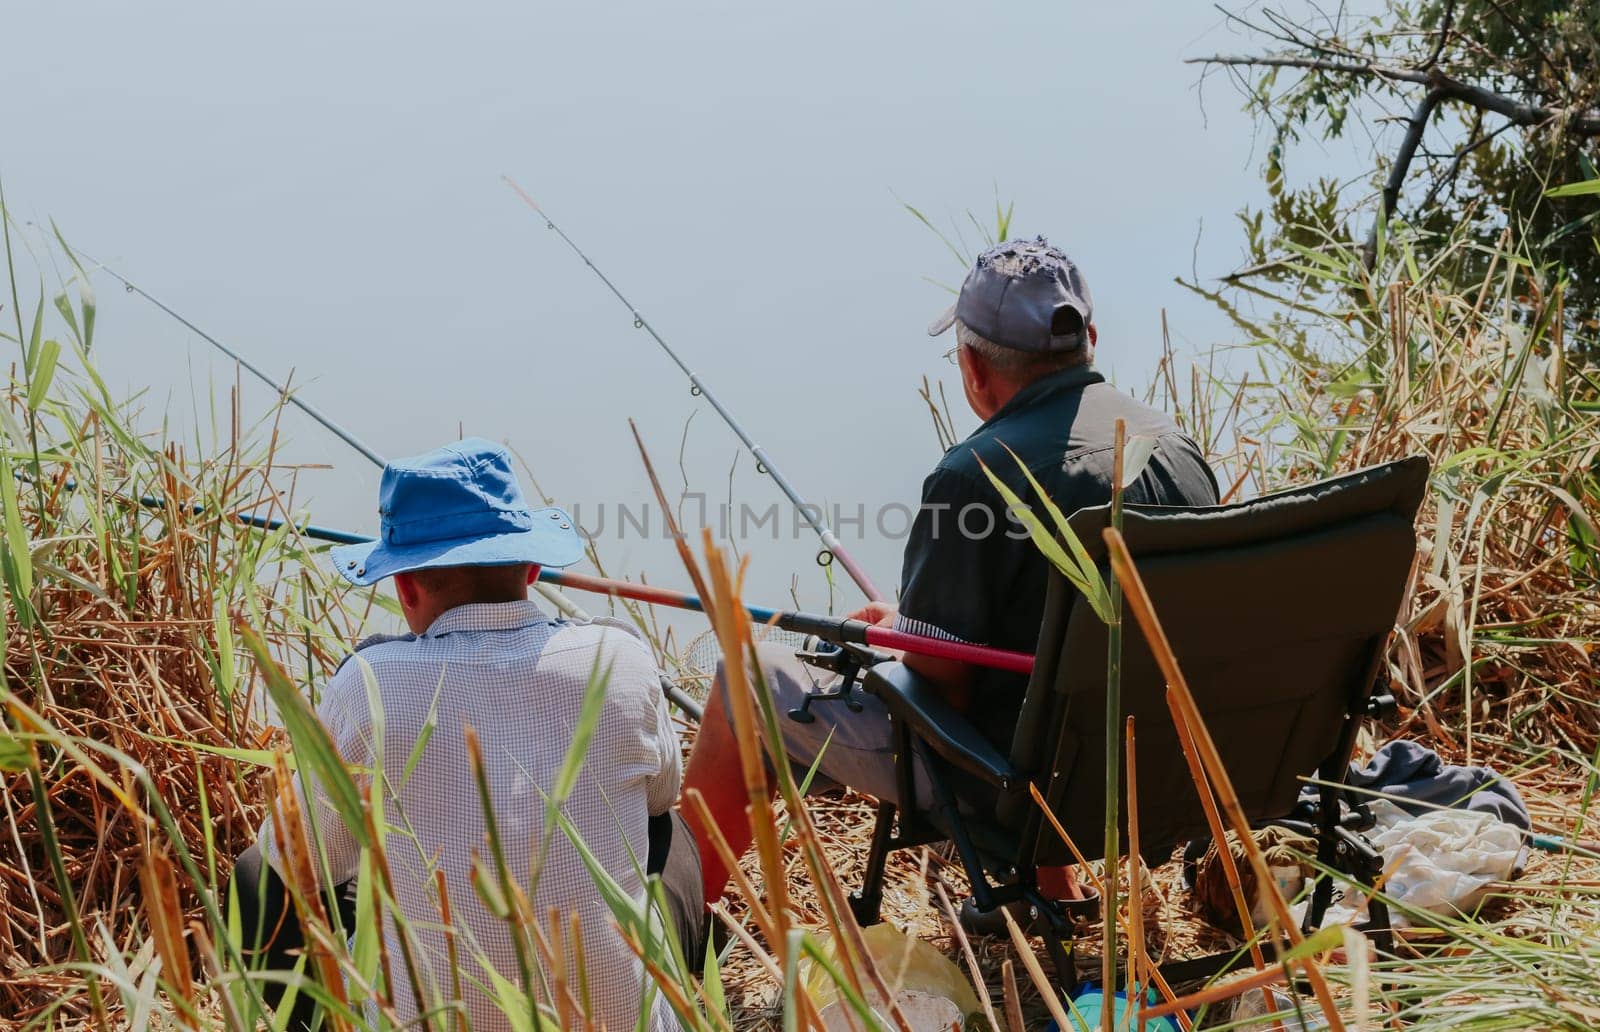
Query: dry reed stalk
{"points": [[808, 1012], [741, 881], [1178, 692], [159, 898], [1013, 1001], [960, 936], [763, 958], [1077, 854], [1230, 870], [1138, 962], [733, 635], [1217, 993], [841, 919], [452, 953], [1208, 803], [585, 998], [294, 855], [733, 632], [856, 960], [665, 983], [1052, 998], [566, 1005]]}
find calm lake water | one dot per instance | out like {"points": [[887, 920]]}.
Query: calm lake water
{"points": [[319, 186]]}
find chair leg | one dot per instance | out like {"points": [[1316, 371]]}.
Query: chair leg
{"points": [[1328, 828], [1367, 866], [1379, 928], [1059, 943], [867, 902], [945, 803]]}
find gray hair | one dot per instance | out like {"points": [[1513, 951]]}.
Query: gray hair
{"points": [[1015, 362]]}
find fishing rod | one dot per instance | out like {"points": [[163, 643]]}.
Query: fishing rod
{"points": [[556, 598], [832, 548], [827, 628], [676, 695]]}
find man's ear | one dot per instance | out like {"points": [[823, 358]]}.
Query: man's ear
{"points": [[533, 573], [405, 587], [979, 376], [1094, 335]]}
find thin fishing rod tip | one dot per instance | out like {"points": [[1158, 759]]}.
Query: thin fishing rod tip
{"points": [[522, 193]]}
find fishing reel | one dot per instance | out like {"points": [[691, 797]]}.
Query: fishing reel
{"points": [[847, 660]]}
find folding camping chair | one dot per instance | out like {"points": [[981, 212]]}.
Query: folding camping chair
{"points": [[1279, 611]]}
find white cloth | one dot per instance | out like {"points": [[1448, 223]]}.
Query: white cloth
{"points": [[518, 679], [1439, 861]]}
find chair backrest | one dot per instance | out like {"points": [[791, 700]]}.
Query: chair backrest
{"points": [[1278, 610]]}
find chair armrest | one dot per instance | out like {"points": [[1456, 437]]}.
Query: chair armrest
{"points": [[916, 701]]}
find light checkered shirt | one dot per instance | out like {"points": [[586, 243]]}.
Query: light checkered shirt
{"points": [[517, 678]]}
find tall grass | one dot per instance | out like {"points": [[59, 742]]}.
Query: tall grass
{"points": [[1496, 654], [1498, 650], [131, 714]]}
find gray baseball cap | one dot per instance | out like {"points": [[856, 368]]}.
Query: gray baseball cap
{"points": [[1023, 294]]}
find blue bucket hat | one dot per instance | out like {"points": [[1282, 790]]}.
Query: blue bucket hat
{"points": [[459, 505], [1023, 294]]}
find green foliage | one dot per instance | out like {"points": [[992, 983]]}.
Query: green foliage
{"points": [[1477, 169]]}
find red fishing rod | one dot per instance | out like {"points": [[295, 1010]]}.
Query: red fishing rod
{"points": [[828, 628]]}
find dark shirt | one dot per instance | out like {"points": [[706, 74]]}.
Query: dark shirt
{"points": [[972, 573]]}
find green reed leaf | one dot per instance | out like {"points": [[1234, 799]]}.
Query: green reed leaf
{"points": [[43, 373], [319, 758]]}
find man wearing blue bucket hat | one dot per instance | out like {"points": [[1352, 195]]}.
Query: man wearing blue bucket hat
{"points": [[462, 546]]}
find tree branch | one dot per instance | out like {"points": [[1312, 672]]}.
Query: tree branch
{"points": [[1402, 164], [1454, 169], [1579, 121], [1445, 26]]}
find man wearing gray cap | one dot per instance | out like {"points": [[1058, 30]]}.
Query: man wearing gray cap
{"points": [[1025, 340]]}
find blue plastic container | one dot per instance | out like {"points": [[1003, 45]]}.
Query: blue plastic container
{"points": [[1088, 1006]]}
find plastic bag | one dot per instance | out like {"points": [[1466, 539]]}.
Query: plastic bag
{"points": [[931, 991]]}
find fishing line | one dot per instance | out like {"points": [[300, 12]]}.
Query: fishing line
{"points": [[560, 601], [832, 548], [283, 391]]}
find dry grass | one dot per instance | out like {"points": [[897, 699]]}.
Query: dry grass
{"points": [[123, 646], [1498, 648]]}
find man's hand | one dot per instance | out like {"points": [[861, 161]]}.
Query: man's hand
{"points": [[880, 613], [953, 677]]}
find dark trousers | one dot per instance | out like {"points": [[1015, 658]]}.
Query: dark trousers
{"points": [[274, 938]]}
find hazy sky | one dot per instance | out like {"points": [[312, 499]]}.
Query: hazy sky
{"points": [[318, 185]]}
